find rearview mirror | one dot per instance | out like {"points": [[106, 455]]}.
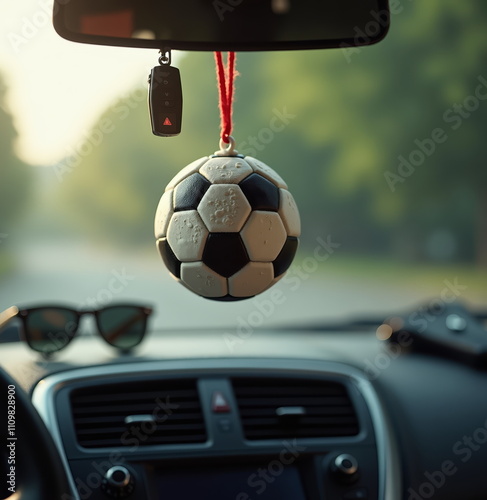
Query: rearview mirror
{"points": [[238, 25]]}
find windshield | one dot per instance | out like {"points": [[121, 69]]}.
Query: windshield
{"points": [[383, 148]]}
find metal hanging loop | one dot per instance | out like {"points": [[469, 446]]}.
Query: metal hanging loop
{"points": [[165, 57], [227, 149]]}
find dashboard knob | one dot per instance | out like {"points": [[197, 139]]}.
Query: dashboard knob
{"points": [[118, 482], [344, 468]]}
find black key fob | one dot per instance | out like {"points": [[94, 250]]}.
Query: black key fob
{"points": [[165, 101]]}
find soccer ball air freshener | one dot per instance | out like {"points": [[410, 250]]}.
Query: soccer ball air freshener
{"points": [[227, 227]]}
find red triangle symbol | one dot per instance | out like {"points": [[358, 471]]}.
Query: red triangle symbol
{"points": [[167, 121], [219, 403]]}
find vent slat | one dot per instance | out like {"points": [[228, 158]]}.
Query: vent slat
{"points": [[148, 407], [300, 433], [327, 408], [133, 396], [289, 391], [317, 410], [185, 428], [99, 414], [117, 442], [117, 419], [303, 422], [293, 401]]}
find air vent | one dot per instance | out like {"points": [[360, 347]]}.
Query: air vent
{"points": [[155, 412], [281, 408]]}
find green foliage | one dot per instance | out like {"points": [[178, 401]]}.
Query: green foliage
{"points": [[114, 190], [15, 176], [354, 113]]}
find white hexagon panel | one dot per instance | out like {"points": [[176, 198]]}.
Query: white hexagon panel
{"points": [[264, 236], [227, 227], [163, 214], [202, 280], [251, 280], [187, 235], [226, 170], [288, 210], [224, 208]]}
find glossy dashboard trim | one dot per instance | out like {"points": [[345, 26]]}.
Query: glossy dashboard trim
{"points": [[43, 398]]}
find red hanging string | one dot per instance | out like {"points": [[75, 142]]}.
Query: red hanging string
{"points": [[226, 76]]}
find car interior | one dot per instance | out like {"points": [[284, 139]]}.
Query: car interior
{"points": [[243, 250]]}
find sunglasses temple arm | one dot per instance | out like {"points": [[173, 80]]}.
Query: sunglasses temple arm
{"points": [[8, 315]]}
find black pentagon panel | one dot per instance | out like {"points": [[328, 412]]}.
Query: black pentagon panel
{"points": [[228, 298], [171, 261], [285, 258], [188, 193], [261, 193], [225, 253]]}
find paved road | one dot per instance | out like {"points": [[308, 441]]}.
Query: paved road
{"points": [[82, 277]]}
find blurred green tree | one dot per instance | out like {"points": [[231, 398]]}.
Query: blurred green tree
{"points": [[372, 108], [15, 175], [113, 185], [377, 144]]}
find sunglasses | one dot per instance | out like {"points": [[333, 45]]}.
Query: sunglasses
{"points": [[49, 329]]}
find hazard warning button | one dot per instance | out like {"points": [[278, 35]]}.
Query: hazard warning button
{"points": [[219, 403]]}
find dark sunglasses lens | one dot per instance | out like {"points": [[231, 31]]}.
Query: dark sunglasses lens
{"points": [[50, 329], [122, 327]]}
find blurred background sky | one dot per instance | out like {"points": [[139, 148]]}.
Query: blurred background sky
{"points": [[383, 148], [58, 89]]}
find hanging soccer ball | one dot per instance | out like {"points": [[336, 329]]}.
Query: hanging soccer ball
{"points": [[227, 227]]}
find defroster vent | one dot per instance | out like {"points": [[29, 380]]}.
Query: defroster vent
{"points": [[155, 412], [278, 408]]}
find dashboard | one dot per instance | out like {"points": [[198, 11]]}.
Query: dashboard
{"points": [[298, 415], [221, 429]]}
